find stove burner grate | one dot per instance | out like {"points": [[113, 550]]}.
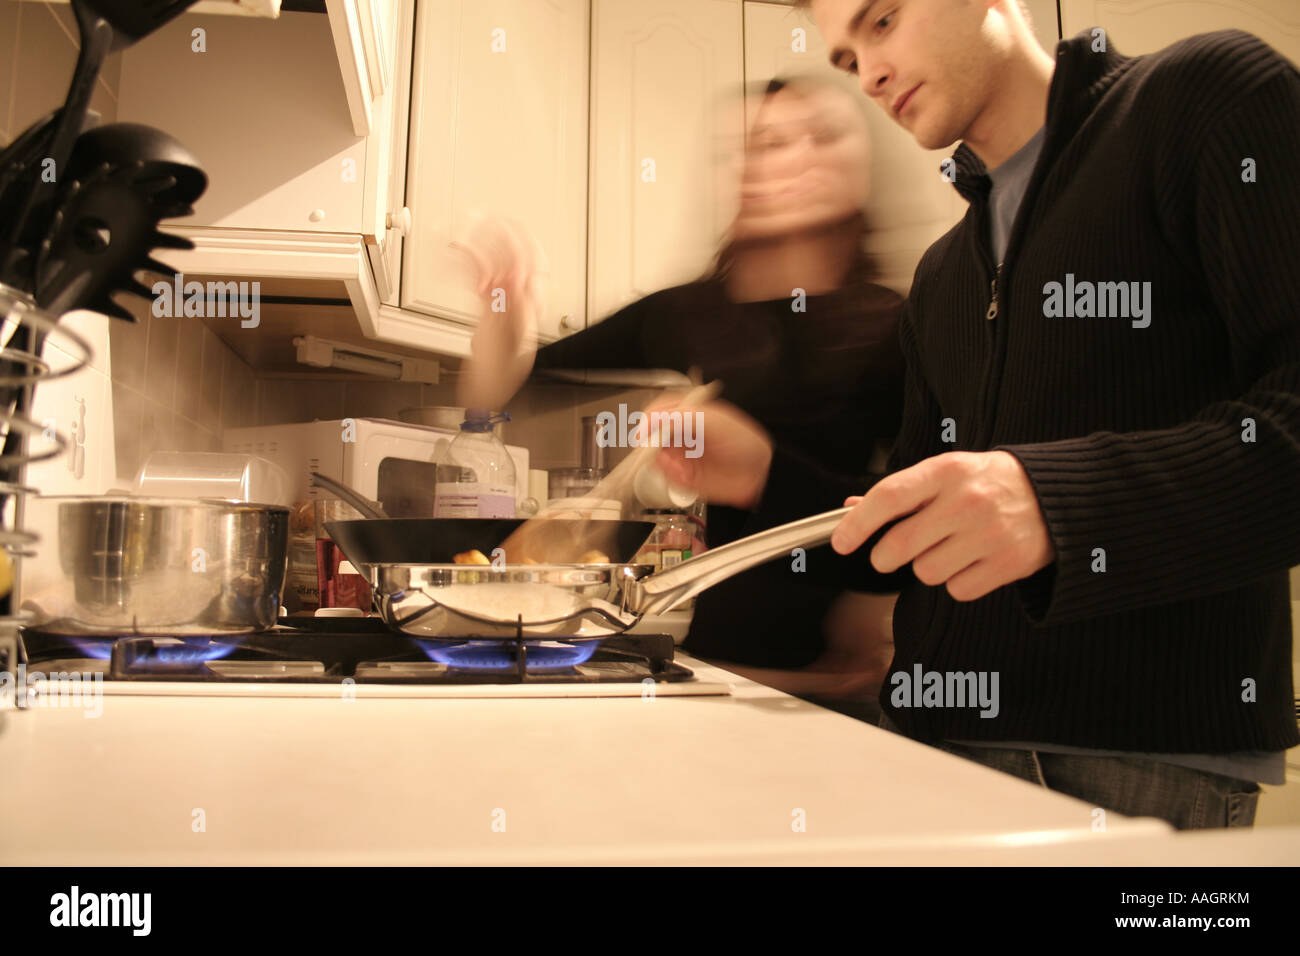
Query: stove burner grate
{"points": [[309, 651], [528, 655]]}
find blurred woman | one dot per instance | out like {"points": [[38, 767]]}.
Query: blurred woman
{"points": [[804, 339]]}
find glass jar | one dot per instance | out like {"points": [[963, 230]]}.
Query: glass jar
{"points": [[336, 586], [672, 541]]}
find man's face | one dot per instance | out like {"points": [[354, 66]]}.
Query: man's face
{"points": [[926, 63]]}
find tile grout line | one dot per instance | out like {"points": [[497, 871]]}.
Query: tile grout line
{"points": [[76, 44], [62, 26], [13, 77]]}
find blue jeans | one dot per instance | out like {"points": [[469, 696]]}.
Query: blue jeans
{"points": [[1134, 786]]}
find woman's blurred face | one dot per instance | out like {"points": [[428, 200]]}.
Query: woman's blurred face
{"points": [[807, 164]]}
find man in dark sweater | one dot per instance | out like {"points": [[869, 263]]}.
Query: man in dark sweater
{"points": [[1095, 496]]}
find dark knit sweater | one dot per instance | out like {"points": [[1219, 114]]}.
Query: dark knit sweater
{"points": [[1132, 437]]}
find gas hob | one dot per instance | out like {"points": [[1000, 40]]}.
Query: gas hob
{"points": [[313, 657]]}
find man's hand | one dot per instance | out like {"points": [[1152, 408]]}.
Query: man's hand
{"points": [[975, 523], [734, 454]]}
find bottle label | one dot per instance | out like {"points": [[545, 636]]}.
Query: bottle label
{"points": [[455, 506], [472, 500], [496, 505]]}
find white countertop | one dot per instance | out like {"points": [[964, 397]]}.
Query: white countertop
{"points": [[611, 780]]}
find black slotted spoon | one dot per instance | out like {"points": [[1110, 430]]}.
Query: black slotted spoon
{"points": [[105, 26], [126, 178]]}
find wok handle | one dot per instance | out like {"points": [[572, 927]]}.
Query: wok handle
{"points": [[664, 590], [368, 508]]}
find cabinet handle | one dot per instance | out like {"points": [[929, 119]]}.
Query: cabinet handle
{"points": [[569, 324], [401, 221]]}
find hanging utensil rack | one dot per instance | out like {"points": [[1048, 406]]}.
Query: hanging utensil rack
{"points": [[19, 310]]}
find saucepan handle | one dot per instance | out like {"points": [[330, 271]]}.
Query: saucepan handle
{"points": [[664, 590]]}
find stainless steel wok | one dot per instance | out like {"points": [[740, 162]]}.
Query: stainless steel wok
{"points": [[568, 602], [145, 565]]}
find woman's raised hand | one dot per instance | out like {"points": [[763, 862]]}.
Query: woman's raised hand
{"points": [[511, 272]]}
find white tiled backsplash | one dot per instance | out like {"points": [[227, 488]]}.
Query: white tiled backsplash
{"points": [[171, 384], [38, 50]]}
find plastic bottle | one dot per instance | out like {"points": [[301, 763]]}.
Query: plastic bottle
{"points": [[475, 478]]}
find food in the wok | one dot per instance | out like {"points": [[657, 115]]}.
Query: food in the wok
{"points": [[474, 556]]}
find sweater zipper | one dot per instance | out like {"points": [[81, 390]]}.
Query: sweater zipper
{"points": [[984, 250], [992, 311], [990, 314]]}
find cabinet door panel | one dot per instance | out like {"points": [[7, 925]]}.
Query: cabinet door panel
{"points": [[263, 110], [1143, 26], [386, 160], [664, 77], [498, 127]]}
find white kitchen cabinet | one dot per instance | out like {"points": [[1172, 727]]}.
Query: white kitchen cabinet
{"points": [[294, 192], [365, 39], [262, 108], [387, 217], [911, 204], [1143, 26], [498, 127], [665, 77]]}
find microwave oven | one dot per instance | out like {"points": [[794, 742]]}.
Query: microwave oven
{"points": [[387, 461]]}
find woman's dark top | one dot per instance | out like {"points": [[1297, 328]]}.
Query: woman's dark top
{"points": [[826, 382]]}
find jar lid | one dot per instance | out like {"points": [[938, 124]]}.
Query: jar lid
{"points": [[482, 420], [339, 612]]}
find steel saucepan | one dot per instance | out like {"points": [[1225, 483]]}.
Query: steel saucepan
{"points": [[568, 602], [171, 566]]}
